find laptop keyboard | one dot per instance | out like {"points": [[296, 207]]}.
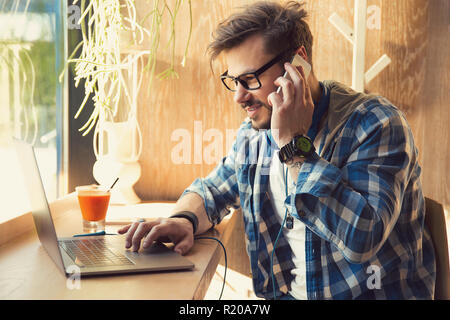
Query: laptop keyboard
{"points": [[93, 252]]}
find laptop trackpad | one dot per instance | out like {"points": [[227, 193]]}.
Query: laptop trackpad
{"points": [[160, 257]]}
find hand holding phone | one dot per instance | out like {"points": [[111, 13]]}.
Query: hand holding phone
{"points": [[297, 113], [296, 61]]}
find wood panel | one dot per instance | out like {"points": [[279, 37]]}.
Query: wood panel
{"points": [[435, 147], [194, 101], [413, 33]]}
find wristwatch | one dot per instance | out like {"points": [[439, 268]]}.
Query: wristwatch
{"points": [[300, 146]]}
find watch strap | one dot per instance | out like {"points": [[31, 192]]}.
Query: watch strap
{"points": [[286, 153], [189, 216]]}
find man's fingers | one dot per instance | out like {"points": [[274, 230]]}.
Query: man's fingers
{"points": [[287, 89], [294, 73], [140, 232], [131, 233], [304, 83], [297, 75], [158, 231], [182, 238], [184, 246], [274, 100], [124, 229]]}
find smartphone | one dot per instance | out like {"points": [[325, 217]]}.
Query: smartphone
{"points": [[296, 61]]}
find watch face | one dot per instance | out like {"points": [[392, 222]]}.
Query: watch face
{"points": [[303, 144]]}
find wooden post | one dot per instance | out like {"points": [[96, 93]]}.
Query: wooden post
{"points": [[359, 44]]}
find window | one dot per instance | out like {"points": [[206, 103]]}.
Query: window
{"points": [[31, 99]]}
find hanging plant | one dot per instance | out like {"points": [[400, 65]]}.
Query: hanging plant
{"points": [[15, 58], [104, 57]]}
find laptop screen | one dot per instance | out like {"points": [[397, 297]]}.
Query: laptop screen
{"points": [[38, 201]]}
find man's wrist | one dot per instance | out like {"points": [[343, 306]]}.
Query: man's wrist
{"points": [[190, 216], [295, 162], [285, 141]]}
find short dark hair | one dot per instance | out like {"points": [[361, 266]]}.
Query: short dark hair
{"points": [[282, 27]]}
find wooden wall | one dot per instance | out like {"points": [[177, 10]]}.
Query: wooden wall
{"points": [[413, 33]]}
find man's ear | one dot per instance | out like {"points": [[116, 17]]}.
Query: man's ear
{"points": [[302, 53]]}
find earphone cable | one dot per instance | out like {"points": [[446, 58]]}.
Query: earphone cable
{"points": [[225, 258]]}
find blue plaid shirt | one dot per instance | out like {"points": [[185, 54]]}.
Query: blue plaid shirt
{"points": [[360, 199]]}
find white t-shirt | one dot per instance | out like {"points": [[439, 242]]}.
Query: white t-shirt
{"points": [[295, 236]]}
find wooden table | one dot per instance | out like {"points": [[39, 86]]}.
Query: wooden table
{"points": [[27, 272]]}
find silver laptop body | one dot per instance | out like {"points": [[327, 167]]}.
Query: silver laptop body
{"points": [[92, 255]]}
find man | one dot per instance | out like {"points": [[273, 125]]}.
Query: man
{"points": [[333, 186]]}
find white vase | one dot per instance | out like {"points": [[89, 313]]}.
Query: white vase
{"points": [[117, 147]]}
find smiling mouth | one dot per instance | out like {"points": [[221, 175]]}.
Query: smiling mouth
{"points": [[253, 107], [252, 110]]}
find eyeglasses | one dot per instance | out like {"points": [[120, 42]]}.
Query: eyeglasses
{"points": [[249, 80]]}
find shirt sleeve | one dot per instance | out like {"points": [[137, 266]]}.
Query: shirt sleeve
{"points": [[356, 203], [219, 190]]}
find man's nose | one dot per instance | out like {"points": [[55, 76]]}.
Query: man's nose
{"points": [[241, 95]]}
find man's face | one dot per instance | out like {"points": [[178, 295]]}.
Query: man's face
{"points": [[248, 57]]}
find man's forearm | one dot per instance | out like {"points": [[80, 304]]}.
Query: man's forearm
{"points": [[194, 203]]}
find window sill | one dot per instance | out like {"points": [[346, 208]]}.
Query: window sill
{"points": [[15, 227]]}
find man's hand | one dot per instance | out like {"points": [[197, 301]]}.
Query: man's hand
{"points": [[291, 113], [176, 230]]}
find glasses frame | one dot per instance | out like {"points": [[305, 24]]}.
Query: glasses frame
{"points": [[256, 74]]}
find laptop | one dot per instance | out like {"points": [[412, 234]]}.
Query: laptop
{"points": [[90, 255]]}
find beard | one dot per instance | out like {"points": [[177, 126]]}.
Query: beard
{"points": [[259, 123]]}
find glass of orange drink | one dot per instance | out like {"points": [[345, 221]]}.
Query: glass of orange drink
{"points": [[94, 202]]}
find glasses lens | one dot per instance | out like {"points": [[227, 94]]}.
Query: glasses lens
{"points": [[251, 80], [231, 84]]}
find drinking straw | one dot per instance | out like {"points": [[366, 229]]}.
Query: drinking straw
{"points": [[113, 184]]}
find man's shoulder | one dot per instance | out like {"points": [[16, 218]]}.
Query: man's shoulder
{"points": [[378, 117], [379, 109], [348, 107]]}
